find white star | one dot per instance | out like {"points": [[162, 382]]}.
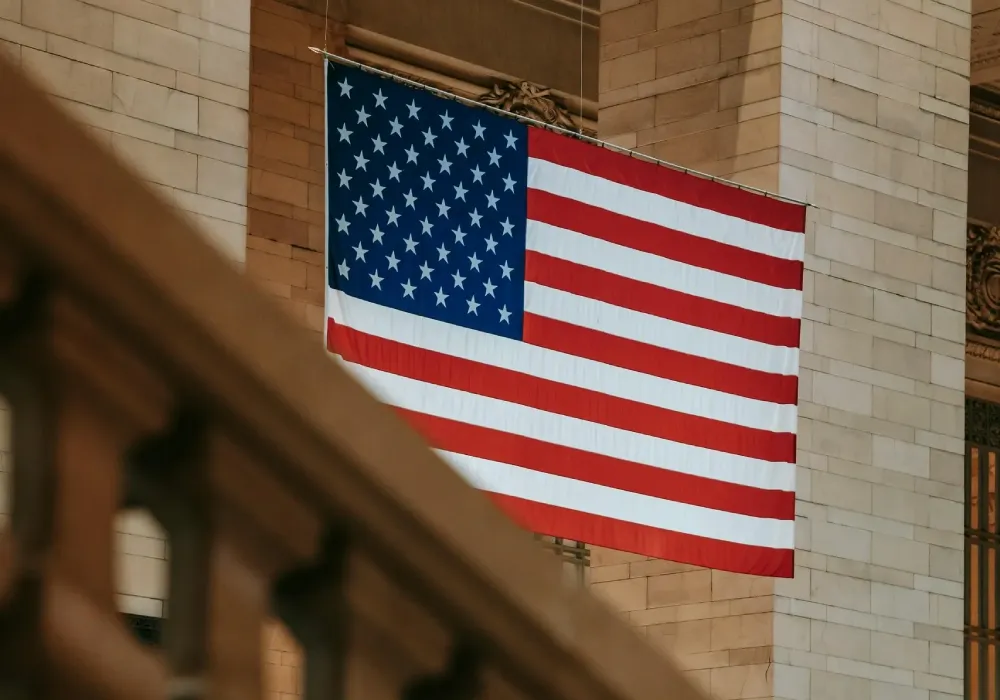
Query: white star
{"points": [[458, 280], [360, 207], [459, 235], [427, 225], [413, 109], [411, 245], [342, 224], [508, 228], [476, 216], [379, 144], [361, 161], [443, 209], [393, 261], [489, 288], [474, 262], [376, 279], [491, 201], [377, 234], [411, 155], [380, 100], [345, 87], [511, 140], [411, 201], [460, 192], [504, 315], [408, 289], [441, 296], [445, 164], [393, 216], [473, 306], [443, 253], [462, 147], [344, 270], [508, 184], [425, 271], [494, 157], [428, 181], [377, 189], [491, 245], [446, 121], [345, 179], [345, 133], [429, 137], [505, 270], [362, 116], [360, 251], [479, 130], [477, 175], [397, 127], [394, 172]]}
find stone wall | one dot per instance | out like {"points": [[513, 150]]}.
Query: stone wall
{"points": [[859, 108], [165, 85]]}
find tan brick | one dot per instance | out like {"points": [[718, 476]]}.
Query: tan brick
{"points": [[673, 12], [69, 79], [629, 70], [849, 101], [752, 86], [630, 116], [907, 23], [902, 215], [155, 44], [688, 54], [223, 64], [750, 38], [70, 18], [626, 595], [276, 268], [229, 13], [10, 10], [155, 103], [688, 102], [222, 122], [674, 589], [628, 22]]}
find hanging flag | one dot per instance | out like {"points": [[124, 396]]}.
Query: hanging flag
{"points": [[607, 346]]}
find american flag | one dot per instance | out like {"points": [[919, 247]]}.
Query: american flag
{"points": [[607, 346]]}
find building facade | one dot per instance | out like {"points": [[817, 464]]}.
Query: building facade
{"points": [[883, 115]]}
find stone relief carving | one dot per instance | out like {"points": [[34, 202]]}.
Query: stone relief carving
{"points": [[529, 100], [982, 288]]}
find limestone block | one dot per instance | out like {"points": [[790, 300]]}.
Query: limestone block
{"points": [[70, 79], [70, 18], [155, 44], [223, 64], [222, 122], [155, 103]]}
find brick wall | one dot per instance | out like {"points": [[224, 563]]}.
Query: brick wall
{"points": [[694, 82], [164, 84], [285, 240]]}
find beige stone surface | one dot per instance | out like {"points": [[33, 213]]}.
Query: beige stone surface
{"points": [[861, 109], [165, 85]]}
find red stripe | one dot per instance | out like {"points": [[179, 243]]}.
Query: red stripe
{"points": [[647, 298], [674, 184], [563, 399], [662, 241], [507, 448], [659, 362], [648, 541]]}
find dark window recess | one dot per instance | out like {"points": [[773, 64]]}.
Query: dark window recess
{"points": [[982, 550], [575, 556], [147, 629]]}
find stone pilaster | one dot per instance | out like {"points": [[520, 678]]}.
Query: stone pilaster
{"points": [[861, 109]]}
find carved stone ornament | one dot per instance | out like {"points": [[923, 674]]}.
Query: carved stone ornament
{"points": [[982, 288], [529, 100]]}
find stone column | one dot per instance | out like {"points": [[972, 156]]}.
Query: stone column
{"points": [[859, 107]]}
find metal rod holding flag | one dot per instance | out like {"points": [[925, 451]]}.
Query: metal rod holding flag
{"points": [[535, 122]]}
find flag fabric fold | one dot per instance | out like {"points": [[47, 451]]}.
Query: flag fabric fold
{"points": [[607, 346]]}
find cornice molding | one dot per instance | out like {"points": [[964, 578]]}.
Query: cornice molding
{"points": [[470, 81]]}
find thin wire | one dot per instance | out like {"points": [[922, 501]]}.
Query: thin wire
{"points": [[581, 66], [326, 25], [550, 127]]}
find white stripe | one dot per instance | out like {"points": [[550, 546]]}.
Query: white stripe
{"points": [[669, 274], [553, 428], [510, 480], [645, 206], [660, 332], [488, 349]]}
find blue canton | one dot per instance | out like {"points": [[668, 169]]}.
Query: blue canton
{"points": [[427, 207]]}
